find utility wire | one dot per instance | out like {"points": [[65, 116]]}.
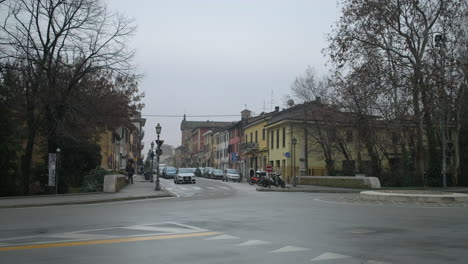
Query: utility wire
{"points": [[188, 115]]}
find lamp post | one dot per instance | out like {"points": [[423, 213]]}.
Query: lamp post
{"points": [[57, 170], [294, 142], [158, 153], [152, 157]]}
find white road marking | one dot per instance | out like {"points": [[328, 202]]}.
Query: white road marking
{"points": [[168, 230], [253, 242], [329, 255], [196, 188], [222, 237], [81, 236], [376, 262], [169, 188], [211, 188], [183, 188], [225, 188], [289, 249]]}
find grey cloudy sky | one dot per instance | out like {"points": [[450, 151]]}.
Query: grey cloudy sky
{"points": [[213, 57]]}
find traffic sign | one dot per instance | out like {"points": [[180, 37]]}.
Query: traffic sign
{"points": [[287, 154], [269, 168]]}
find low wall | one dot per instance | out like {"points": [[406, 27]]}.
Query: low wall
{"points": [[114, 183], [356, 182]]}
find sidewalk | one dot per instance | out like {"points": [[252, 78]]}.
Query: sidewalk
{"points": [[141, 189]]}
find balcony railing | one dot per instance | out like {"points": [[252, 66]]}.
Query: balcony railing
{"points": [[249, 146]]}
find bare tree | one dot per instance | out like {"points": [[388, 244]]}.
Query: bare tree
{"points": [[398, 36], [56, 44]]}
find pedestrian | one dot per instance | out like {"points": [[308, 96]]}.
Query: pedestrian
{"points": [[130, 171]]}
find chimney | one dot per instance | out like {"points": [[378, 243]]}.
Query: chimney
{"points": [[276, 108], [245, 114], [318, 99]]}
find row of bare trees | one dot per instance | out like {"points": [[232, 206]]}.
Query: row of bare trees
{"points": [[399, 66], [66, 74]]}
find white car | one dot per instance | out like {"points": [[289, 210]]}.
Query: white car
{"points": [[231, 175], [184, 175]]}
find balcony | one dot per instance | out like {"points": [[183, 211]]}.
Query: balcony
{"points": [[249, 147]]}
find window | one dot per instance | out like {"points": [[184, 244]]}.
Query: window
{"points": [[272, 135], [256, 136], [263, 134], [284, 137], [251, 137], [246, 138], [277, 138]]}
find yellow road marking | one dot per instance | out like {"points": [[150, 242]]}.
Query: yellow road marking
{"points": [[107, 241]]}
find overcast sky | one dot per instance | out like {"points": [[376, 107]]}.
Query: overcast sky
{"points": [[214, 57]]}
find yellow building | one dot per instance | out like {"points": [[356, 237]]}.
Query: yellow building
{"points": [[254, 147]]}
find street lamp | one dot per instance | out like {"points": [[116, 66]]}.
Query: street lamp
{"points": [[294, 142], [152, 157], [158, 153]]}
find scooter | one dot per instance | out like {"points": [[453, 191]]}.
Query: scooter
{"points": [[255, 179], [275, 180]]}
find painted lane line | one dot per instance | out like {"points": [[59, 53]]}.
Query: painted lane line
{"points": [[289, 249], [329, 255], [196, 188], [376, 262], [211, 188], [222, 237], [253, 243], [106, 241], [167, 230], [78, 236]]}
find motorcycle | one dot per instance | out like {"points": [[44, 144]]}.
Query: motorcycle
{"points": [[256, 179], [275, 180]]}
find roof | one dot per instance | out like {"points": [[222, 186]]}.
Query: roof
{"points": [[260, 118], [312, 111]]}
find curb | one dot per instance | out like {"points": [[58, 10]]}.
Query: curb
{"points": [[287, 189], [88, 202], [414, 197]]}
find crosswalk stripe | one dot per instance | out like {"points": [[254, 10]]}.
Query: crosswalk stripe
{"points": [[289, 249], [253, 242], [329, 255]]}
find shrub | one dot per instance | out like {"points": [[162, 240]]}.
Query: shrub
{"points": [[94, 180]]}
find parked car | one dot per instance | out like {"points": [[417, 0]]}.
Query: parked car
{"points": [[217, 174], [207, 172], [231, 175], [184, 175], [169, 172], [198, 172]]}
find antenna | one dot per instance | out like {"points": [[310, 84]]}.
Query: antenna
{"points": [[264, 107], [271, 102]]}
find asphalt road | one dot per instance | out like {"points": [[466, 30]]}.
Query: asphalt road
{"points": [[216, 222]]}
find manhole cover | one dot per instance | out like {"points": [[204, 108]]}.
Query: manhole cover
{"points": [[360, 231]]}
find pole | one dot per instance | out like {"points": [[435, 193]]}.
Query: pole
{"points": [[158, 187], [57, 172], [151, 175]]}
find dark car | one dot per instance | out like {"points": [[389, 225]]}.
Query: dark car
{"points": [[207, 172], [169, 172], [217, 174]]}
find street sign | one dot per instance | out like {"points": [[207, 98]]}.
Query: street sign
{"points": [[159, 142], [269, 168], [233, 157], [52, 168], [287, 154]]}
